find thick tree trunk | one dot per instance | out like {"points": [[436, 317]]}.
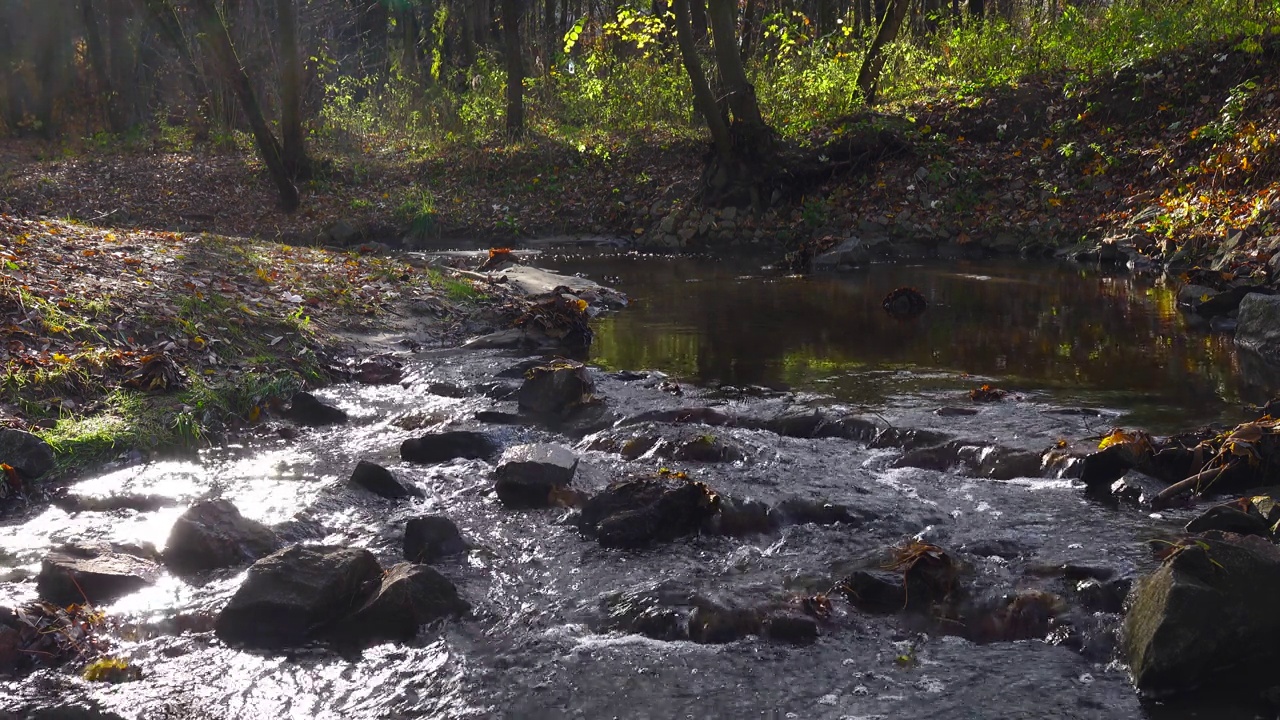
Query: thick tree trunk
{"points": [[698, 17], [703, 100], [294, 151], [511, 13], [219, 41], [873, 63]]}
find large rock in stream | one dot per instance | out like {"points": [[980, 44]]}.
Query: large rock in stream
{"points": [[556, 390], [446, 446], [379, 481], [431, 537], [410, 596], [93, 575], [1206, 617], [1258, 325], [213, 534], [634, 513], [528, 474], [306, 409], [293, 595], [27, 454]]}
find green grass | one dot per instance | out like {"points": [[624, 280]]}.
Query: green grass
{"points": [[803, 80]]}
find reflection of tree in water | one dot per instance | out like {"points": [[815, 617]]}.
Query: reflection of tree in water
{"points": [[1053, 327]]}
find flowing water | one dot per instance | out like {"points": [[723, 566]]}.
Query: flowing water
{"points": [[542, 641]]}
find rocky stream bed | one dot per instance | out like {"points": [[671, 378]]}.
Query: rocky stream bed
{"points": [[499, 535]]}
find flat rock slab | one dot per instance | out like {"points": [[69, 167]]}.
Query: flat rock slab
{"points": [[93, 575], [379, 481], [30, 456], [290, 596], [527, 474], [446, 446], [409, 596], [213, 534]]}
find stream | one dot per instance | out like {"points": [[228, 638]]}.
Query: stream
{"points": [[1080, 353]]}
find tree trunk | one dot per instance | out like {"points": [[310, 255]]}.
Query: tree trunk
{"points": [[294, 151], [165, 19], [120, 66], [101, 68], [703, 100], [511, 12], [407, 19], [873, 63], [741, 93], [698, 18], [219, 41], [750, 28]]}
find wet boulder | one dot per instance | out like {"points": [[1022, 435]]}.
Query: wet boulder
{"points": [[213, 534], [742, 516], [432, 537], [379, 481], [803, 511], [527, 475], [290, 595], [409, 596], [705, 447], [556, 390], [445, 446], [848, 254], [306, 409], [714, 623], [635, 513], [95, 575], [1258, 325], [790, 627], [1240, 517], [1024, 615], [29, 455], [1206, 616], [875, 591]]}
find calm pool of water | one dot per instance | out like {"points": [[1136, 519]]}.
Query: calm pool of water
{"points": [[1063, 331]]}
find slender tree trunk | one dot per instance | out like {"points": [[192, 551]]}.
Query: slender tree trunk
{"points": [[101, 69], [219, 41], [749, 29], [873, 63], [511, 12], [407, 19], [122, 47], [294, 151], [165, 19], [703, 100]]}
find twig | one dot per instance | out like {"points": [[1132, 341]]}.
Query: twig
{"points": [[1165, 496]]}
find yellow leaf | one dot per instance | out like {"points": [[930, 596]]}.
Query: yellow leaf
{"points": [[57, 328], [926, 129], [59, 357], [1054, 202], [1117, 437], [254, 414], [1047, 143], [1204, 297]]}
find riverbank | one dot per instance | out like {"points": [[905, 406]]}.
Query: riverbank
{"points": [[1171, 161], [120, 343]]}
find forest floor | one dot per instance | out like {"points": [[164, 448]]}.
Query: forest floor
{"points": [[127, 271]]}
